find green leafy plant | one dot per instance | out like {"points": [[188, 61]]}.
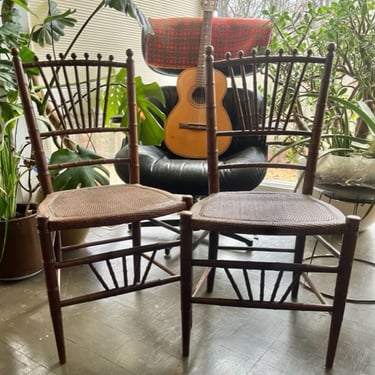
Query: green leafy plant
{"points": [[343, 143], [52, 28], [150, 131], [80, 176], [340, 143], [351, 105], [11, 166], [9, 160], [49, 31], [12, 34]]}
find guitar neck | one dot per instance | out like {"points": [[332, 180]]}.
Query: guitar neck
{"points": [[205, 40]]}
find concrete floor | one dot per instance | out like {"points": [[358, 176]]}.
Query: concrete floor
{"points": [[140, 333]]}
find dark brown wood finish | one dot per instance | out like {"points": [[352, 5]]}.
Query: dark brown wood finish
{"points": [[262, 283], [74, 89]]}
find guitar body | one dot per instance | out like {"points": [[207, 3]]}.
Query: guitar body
{"points": [[185, 127], [185, 130]]}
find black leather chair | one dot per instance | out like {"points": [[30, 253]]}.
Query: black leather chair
{"points": [[160, 168]]}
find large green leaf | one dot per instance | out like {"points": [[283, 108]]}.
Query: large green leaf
{"points": [[150, 132], [11, 33], [129, 8], [52, 28], [80, 176], [362, 110], [117, 100], [150, 116], [149, 90], [7, 79]]}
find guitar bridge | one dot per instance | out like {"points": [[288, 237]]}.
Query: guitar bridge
{"points": [[193, 126]]}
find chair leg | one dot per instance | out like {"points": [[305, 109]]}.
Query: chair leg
{"points": [[136, 234], [52, 284], [342, 284], [186, 280], [298, 258], [56, 316], [212, 254]]}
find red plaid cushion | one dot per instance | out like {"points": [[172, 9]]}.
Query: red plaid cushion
{"points": [[175, 43]]}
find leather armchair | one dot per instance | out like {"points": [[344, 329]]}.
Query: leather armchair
{"points": [[173, 47], [160, 168]]}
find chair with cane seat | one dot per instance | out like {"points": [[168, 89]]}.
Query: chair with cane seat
{"points": [[76, 93], [267, 280]]}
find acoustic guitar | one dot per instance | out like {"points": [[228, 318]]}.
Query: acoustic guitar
{"points": [[185, 127]]}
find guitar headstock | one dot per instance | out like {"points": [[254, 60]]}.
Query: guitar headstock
{"points": [[209, 5]]}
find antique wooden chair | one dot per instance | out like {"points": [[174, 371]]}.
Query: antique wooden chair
{"points": [[78, 92], [270, 282]]}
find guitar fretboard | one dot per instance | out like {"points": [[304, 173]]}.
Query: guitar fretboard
{"points": [[205, 40]]}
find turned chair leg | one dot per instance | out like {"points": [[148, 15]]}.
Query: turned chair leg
{"points": [[52, 284], [298, 258], [186, 280], [212, 254]]}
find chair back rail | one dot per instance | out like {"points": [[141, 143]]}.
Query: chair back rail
{"points": [[279, 82], [75, 93]]}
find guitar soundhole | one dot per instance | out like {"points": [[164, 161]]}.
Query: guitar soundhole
{"points": [[199, 96]]}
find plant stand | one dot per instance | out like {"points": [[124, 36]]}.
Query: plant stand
{"points": [[356, 197], [351, 200]]}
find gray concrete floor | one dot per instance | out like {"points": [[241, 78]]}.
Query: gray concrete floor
{"points": [[140, 333]]}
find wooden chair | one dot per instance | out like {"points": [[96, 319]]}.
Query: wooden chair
{"points": [[78, 92], [268, 213]]}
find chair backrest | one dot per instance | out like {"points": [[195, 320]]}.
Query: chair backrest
{"points": [[73, 110], [290, 113]]}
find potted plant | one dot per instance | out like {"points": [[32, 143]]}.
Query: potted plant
{"points": [[350, 25], [348, 161], [19, 244], [349, 125], [348, 129]]}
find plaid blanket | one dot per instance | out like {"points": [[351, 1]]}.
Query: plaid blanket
{"points": [[175, 43]]}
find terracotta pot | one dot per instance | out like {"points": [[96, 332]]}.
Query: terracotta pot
{"points": [[22, 255]]}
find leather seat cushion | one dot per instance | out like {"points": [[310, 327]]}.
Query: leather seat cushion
{"points": [[162, 169]]}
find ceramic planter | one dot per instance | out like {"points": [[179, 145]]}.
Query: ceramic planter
{"points": [[22, 256]]}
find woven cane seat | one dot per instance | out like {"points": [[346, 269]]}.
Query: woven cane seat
{"points": [[265, 211], [107, 205]]}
